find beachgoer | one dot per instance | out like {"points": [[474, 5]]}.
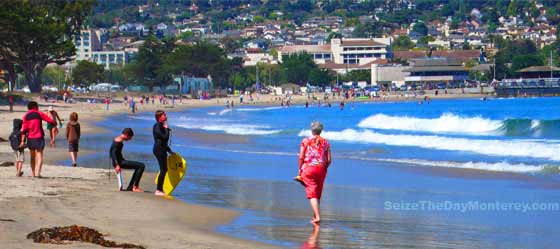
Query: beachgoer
{"points": [[73, 137], [119, 162], [161, 133], [15, 142], [314, 159], [53, 129], [306, 104], [33, 127], [132, 105], [65, 97], [107, 102], [11, 102]]}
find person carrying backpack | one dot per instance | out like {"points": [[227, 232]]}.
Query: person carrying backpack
{"points": [[15, 142]]}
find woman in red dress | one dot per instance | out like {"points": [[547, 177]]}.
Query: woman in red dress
{"points": [[314, 159]]}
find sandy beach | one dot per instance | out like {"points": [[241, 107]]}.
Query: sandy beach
{"points": [[88, 197]]}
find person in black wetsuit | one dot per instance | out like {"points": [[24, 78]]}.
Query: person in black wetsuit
{"points": [[161, 134], [120, 163]]}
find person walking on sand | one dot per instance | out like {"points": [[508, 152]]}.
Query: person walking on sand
{"points": [[314, 159], [15, 143], [53, 129], [118, 161], [73, 137], [161, 133], [33, 127], [107, 102]]}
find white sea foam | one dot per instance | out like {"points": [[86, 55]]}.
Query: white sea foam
{"points": [[235, 129], [446, 123], [259, 109], [513, 148], [499, 167]]}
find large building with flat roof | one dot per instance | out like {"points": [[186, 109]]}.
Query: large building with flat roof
{"points": [[359, 53], [432, 71]]}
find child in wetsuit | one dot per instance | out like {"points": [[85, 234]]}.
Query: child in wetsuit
{"points": [[119, 162]]}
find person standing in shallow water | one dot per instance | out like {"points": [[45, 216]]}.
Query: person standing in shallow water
{"points": [[314, 159], [161, 134]]}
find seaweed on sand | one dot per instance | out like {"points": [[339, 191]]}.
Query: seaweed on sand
{"points": [[61, 235]]}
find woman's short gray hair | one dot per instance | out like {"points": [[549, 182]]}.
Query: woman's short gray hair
{"points": [[316, 128]]}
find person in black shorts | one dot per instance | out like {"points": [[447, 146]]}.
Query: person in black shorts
{"points": [[33, 128], [119, 162]]}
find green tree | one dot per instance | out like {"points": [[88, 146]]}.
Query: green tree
{"points": [[368, 29], [200, 60], [512, 9], [87, 73], [523, 61], [37, 33], [53, 74], [403, 42], [148, 60], [320, 77], [357, 75], [420, 28], [297, 67]]}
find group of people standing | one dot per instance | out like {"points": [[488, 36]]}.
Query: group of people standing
{"points": [[28, 134]]}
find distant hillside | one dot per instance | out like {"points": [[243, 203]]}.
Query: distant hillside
{"points": [[400, 12]]}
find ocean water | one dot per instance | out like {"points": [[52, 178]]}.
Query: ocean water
{"points": [[445, 174]]}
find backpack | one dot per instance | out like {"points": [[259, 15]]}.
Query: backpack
{"points": [[15, 136], [14, 140]]}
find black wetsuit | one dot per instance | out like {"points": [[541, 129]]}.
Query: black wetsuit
{"points": [[161, 148], [117, 159]]}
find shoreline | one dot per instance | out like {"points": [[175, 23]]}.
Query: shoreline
{"points": [[64, 197], [58, 200]]}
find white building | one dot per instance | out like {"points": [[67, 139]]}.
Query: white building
{"points": [[358, 51], [89, 47]]}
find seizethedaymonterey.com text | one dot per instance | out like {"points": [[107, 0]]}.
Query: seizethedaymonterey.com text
{"points": [[469, 206]]}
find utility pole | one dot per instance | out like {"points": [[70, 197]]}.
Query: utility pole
{"points": [[257, 84], [494, 79], [551, 64]]}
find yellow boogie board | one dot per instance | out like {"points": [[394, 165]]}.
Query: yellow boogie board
{"points": [[176, 169]]}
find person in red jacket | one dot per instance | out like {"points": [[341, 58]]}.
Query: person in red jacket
{"points": [[33, 128]]}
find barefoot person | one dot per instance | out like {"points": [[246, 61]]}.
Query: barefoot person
{"points": [[15, 142], [73, 137], [161, 134], [120, 163], [53, 129], [314, 159], [33, 127]]}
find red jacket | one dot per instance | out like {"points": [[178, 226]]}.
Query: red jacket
{"points": [[33, 125]]}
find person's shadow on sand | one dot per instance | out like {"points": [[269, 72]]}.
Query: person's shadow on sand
{"points": [[313, 240]]}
